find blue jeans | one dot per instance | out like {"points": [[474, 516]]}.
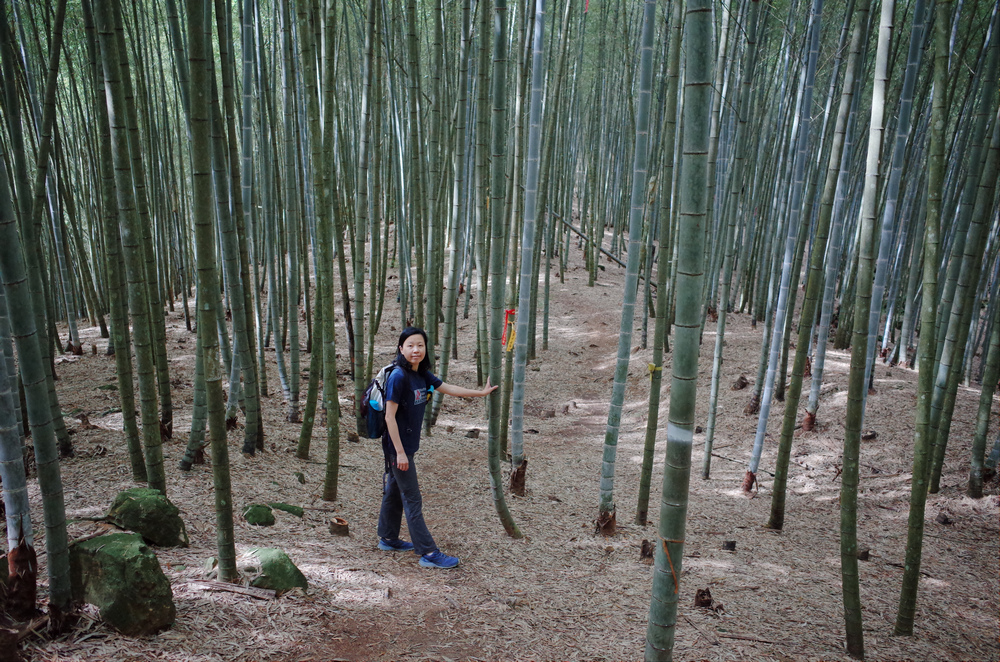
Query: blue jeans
{"points": [[402, 494]]}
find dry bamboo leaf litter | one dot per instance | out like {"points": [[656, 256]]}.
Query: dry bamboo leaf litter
{"points": [[560, 593]]}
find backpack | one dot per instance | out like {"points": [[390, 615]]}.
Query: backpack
{"points": [[373, 404]]}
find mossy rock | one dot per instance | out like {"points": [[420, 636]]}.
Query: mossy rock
{"points": [[269, 567], [259, 514], [298, 511], [149, 513], [120, 575]]}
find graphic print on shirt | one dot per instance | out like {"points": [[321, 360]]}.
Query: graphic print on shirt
{"points": [[419, 396]]}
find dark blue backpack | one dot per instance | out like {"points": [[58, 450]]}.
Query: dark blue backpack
{"points": [[373, 403]]}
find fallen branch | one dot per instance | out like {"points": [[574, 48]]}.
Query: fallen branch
{"points": [[713, 640], [903, 567], [607, 254], [259, 593], [754, 639], [729, 459]]}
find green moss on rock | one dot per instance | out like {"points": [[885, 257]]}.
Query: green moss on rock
{"points": [[149, 513], [120, 575], [258, 514], [269, 567], [298, 511]]}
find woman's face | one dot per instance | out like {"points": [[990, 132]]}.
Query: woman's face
{"points": [[414, 349]]}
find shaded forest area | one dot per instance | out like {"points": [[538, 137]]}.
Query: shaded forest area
{"points": [[235, 206]]}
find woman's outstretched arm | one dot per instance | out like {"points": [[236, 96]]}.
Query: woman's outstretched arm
{"points": [[462, 392]]}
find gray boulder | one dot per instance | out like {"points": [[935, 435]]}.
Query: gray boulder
{"points": [[149, 513], [269, 567], [120, 575]]}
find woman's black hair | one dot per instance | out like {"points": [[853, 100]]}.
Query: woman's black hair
{"points": [[401, 361]]}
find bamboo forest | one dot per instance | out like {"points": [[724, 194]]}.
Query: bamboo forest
{"points": [[705, 296]]}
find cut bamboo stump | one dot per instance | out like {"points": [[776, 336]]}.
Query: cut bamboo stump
{"points": [[339, 527]]}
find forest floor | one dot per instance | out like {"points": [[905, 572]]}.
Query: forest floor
{"points": [[561, 592]]}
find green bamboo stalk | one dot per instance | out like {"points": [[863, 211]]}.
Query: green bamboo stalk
{"points": [[236, 249], [518, 462], [458, 211], [923, 435], [417, 188], [857, 383], [666, 177], [606, 511], [199, 44], [142, 334], [814, 281], [737, 189], [293, 215], [498, 216], [693, 188], [32, 368], [915, 50], [951, 349], [361, 218], [989, 383], [109, 226], [12, 474], [326, 232], [137, 174], [789, 279]]}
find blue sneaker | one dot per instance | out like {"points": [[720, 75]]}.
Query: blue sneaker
{"points": [[438, 559], [394, 545]]}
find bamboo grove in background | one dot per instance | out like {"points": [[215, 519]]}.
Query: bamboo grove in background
{"points": [[277, 168]]}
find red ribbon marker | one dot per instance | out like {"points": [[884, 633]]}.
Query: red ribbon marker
{"points": [[506, 318]]}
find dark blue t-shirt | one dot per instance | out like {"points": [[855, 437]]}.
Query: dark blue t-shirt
{"points": [[409, 390]]}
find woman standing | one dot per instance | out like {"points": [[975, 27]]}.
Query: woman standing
{"points": [[408, 388]]}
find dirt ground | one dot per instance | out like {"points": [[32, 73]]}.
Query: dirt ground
{"points": [[561, 592]]}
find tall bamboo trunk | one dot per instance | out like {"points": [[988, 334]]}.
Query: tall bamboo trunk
{"points": [[859, 346], [637, 207], [735, 204], [199, 44], [923, 434], [785, 290], [693, 189], [497, 166], [518, 462], [33, 378], [138, 294], [814, 281], [663, 266]]}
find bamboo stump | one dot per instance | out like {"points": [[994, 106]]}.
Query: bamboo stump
{"points": [[606, 524], [339, 527], [517, 479], [809, 422]]}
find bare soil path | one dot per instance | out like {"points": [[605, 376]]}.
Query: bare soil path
{"points": [[561, 592]]}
